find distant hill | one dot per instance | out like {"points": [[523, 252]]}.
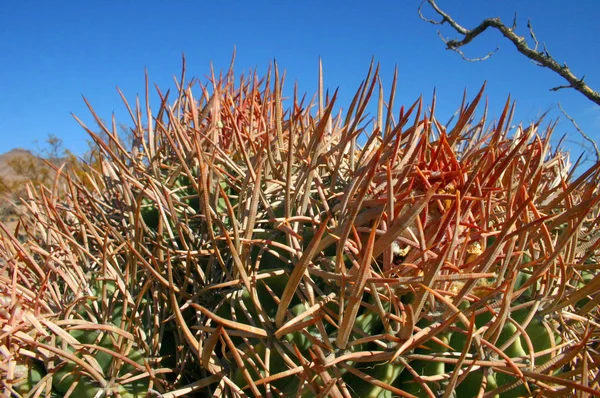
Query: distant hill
{"points": [[9, 177], [6, 170], [33, 167]]}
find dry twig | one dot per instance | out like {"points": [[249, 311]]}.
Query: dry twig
{"points": [[541, 58], [580, 131]]}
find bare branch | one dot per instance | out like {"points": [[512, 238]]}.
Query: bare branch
{"points": [[431, 21], [560, 87], [542, 58], [532, 34], [462, 54], [546, 52], [583, 134], [447, 18]]}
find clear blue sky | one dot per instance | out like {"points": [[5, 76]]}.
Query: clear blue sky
{"points": [[53, 52]]}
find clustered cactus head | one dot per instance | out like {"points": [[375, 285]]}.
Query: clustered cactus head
{"points": [[244, 248]]}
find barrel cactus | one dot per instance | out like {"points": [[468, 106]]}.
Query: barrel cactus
{"points": [[244, 248]]}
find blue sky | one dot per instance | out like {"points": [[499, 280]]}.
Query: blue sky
{"points": [[53, 52]]}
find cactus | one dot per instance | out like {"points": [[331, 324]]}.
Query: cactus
{"points": [[238, 249]]}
